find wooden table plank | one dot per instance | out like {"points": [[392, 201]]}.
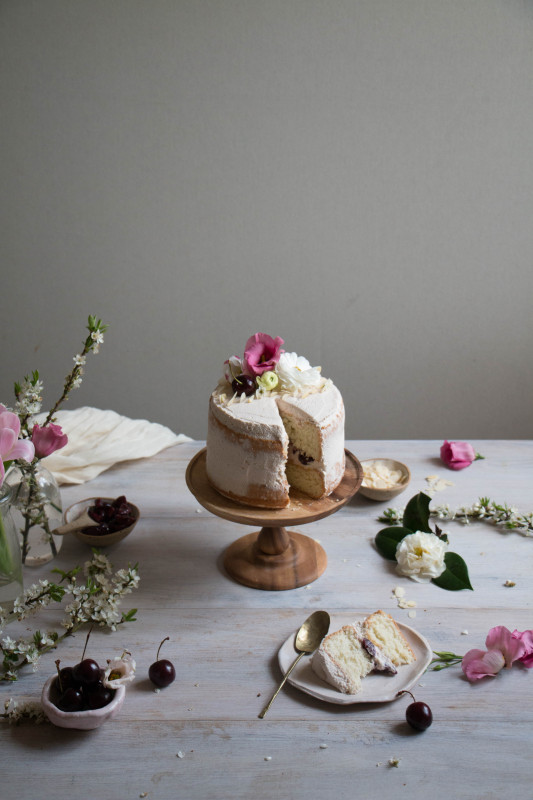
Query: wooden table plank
{"points": [[224, 639]]}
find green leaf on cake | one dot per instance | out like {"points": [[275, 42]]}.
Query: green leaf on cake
{"points": [[455, 576], [416, 514], [387, 540]]}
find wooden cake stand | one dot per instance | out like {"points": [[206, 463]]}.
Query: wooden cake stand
{"points": [[274, 558]]}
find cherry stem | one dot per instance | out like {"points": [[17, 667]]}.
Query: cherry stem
{"points": [[86, 642], [406, 691], [159, 648], [58, 662]]}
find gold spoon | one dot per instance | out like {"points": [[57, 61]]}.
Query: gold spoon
{"points": [[307, 640]]}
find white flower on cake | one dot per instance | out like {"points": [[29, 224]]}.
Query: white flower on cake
{"points": [[295, 372], [119, 671], [420, 556]]}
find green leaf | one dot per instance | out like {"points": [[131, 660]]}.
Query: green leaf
{"points": [[387, 540], [416, 514], [455, 576]]}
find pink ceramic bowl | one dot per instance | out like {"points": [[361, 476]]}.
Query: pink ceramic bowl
{"points": [[81, 720]]}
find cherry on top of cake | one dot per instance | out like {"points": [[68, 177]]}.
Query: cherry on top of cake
{"points": [[267, 369]]}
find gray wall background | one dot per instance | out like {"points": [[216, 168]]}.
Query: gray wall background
{"points": [[355, 176]]}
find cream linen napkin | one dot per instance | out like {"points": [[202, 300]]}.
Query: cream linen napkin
{"points": [[98, 439]]}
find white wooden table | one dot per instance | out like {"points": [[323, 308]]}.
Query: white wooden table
{"points": [[224, 639]]}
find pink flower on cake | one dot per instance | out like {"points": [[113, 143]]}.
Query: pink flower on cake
{"points": [[458, 455], [11, 447], [503, 649], [261, 353], [48, 439], [526, 637]]}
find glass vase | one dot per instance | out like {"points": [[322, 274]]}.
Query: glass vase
{"points": [[10, 557], [37, 510]]}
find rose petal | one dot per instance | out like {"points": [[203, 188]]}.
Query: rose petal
{"points": [[500, 638], [478, 664]]}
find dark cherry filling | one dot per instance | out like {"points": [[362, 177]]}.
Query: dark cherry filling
{"points": [[302, 458]]}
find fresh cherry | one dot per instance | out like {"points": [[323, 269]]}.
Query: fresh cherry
{"points": [[99, 697], [71, 700], [162, 672], [418, 714], [86, 672], [66, 678], [243, 384]]}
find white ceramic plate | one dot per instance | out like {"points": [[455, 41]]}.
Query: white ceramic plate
{"points": [[378, 687]]}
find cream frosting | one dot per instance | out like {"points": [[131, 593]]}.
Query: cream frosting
{"points": [[248, 446]]}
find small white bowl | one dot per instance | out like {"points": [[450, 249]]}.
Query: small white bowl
{"points": [[382, 495], [80, 720], [96, 540]]}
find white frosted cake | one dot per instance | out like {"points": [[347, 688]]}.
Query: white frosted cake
{"points": [[274, 422], [348, 655]]}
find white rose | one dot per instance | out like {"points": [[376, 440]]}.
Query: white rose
{"points": [[420, 556], [295, 372]]}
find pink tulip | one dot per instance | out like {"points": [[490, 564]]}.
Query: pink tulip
{"points": [[457, 455], [526, 637], [503, 650], [48, 439], [261, 353], [11, 447]]}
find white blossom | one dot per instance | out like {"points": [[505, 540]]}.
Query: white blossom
{"points": [[98, 337], [119, 671]]}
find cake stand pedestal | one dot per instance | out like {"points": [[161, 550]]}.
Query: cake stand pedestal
{"points": [[274, 558]]}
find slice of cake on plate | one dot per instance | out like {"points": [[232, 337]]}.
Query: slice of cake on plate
{"points": [[348, 655]]}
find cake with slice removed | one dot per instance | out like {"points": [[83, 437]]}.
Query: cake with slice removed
{"points": [[274, 422]]}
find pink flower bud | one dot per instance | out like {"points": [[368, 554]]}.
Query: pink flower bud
{"points": [[457, 455], [48, 439]]}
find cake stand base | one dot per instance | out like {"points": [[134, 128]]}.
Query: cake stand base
{"points": [[275, 559]]}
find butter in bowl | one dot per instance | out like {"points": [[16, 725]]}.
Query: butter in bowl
{"points": [[384, 478]]}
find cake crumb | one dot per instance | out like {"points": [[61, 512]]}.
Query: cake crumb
{"points": [[198, 510], [509, 583], [156, 691], [398, 591], [143, 794], [464, 633], [411, 614], [179, 754], [323, 747], [268, 758], [394, 762]]}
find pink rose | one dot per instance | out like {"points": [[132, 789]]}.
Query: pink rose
{"points": [[261, 353], [48, 439], [526, 637], [457, 455]]}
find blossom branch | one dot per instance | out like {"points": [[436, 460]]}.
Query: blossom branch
{"points": [[483, 510], [96, 601]]}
